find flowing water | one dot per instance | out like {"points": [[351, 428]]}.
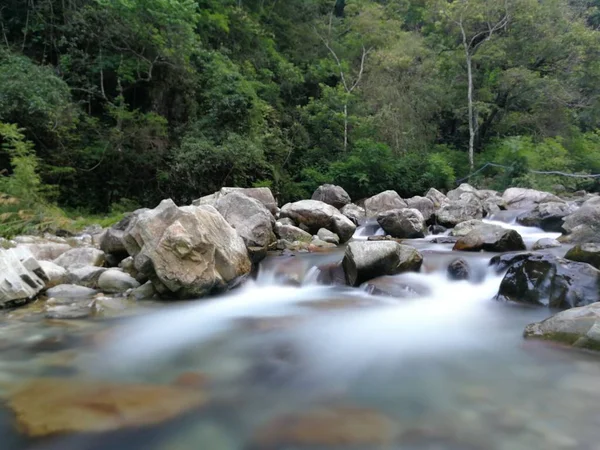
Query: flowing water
{"points": [[448, 364]]}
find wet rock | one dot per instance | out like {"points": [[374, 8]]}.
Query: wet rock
{"points": [[354, 212], [82, 256], [520, 198], [54, 273], [503, 262], [383, 201], [315, 215], [328, 236], [116, 281], [21, 276], [341, 427], [437, 198], [587, 253], [583, 226], [391, 286], [579, 327], [249, 217], [364, 260], [403, 223], [464, 228], [263, 195], [424, 205], [144, 292], [85, 276], [546, 280], [467, 207], [459, 270], [444, 240], [490, 238], [49, 406], [547, 216], [545, 243], [437, 229], [188, 251], [72, 311], [331, 275], [333, 195], [70, 291]]}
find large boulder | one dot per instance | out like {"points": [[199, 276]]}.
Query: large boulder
{"points": [[111, 241], [249, 217], [403, 223], [81, 256], [354, 212], [464, 228], [464, 188], [291, 233], [424, 205], [437, 198], [467, 207], [331, 194], [186, 252], [364, 260], [583, 226], [383, 201], [546, 280], [521, 198], [547, 216], [262, 194], [587, 253], [579, 327], [490, 238], [21, 277], [315, 215]]}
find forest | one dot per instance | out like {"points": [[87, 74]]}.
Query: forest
{"points": [[108, 105]]}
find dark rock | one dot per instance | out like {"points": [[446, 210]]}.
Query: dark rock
{"points": [[390, 286], [490, 239], [333, 195], [587, 253], [547, 216], [459, 270], [444, 240], [503, 262], [437, 229]]}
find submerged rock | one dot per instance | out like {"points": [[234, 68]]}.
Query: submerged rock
{"points": [[547, 216], [521, 198], [459, 270], [546, 280], [315, 215], [50, 406], [364, 260], [331, 194], [383, 201], [403, 223], [490, 238], [587, 253]]}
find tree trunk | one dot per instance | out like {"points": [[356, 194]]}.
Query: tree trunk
{"points": [[345, 127], [472, 119]]}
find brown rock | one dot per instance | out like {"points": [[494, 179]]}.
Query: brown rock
{"points": [[192, 380], [335, 427], [48, 406]]}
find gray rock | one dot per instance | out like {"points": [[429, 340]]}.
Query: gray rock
{"points": [[403, 223], [464, 188], [383, 201], [547, 216], [493, 205], [459, 270], [390, 286], [46, 251], [364, 260], [437, 198], [144, 292], [54, 273], [21, 276], [70, 291], [186, 252], [115, 281], [545, 243], [263, 195], [328, 236], [546, 280], [286, 221], [82, 256], [583, 226], [490, 238], [315, 215], [521, 198], [467, 207], [587, 253], [85, 276], [68, 312], [111, 241], [291, 233], [424, 205], [464, 228], [317, 243], [249, 217], [354, 212], [331, 194]]}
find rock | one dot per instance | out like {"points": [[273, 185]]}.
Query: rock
{"points": [[424, 205], [47, 251], [520, 198], [144, 292], [490, 238], [464, 228], [249, 217], [263, 195], [437, 198], [317, 245], [341, 427], [116, 281], [292, 233], [54, 273], [285, 221], [493, 205], [82, 256], [586, 253], [331, 274], [459, 270], [354, 212], [70, 291], [545, 243], [403, 223], [128, 266], [437, 229], [111, 241], [85, 276], [328, 236], [546, 280], [547, 216], [583, 226], [21, 276], [579, 327], [293, 246], [333, 195], [315, 215], [186, 252], [503, 262], [467, 207], [48, 406], [383, 201], [364, 260], [444, 240], [69, 311], [464, 188], [391, 286]]}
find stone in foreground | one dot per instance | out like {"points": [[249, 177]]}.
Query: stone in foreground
{"points": [[579, 327], [21, 276], [48, 406], [331, 194], [364, 260], [315, 215]]}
